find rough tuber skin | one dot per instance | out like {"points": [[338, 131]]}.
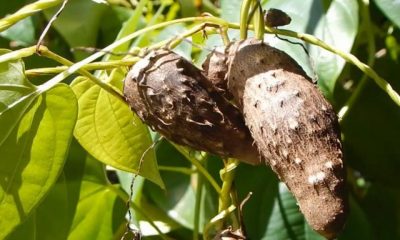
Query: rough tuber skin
{"points": [[173, 97], [215, 68], [294, 127]]}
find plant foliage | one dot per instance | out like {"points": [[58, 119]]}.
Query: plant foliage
{"points": [[69, 146]]}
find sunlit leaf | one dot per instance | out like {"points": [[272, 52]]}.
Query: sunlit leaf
{"points": [[109, 131], [53, 217], [13, 86], [33, 155], [391, 8], [100, 213], [338, 27]]}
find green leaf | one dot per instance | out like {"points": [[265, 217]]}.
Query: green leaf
{"points": [[357, 225], [391, 8], [116, 18], [178, 199], [13, 86], [380, 204], [110, 132], [338, 27], [230, 10], [129, 27], [286, 221], [262, 182], [100, 213], [23, 32], [79, 23], [53, 217], [33, 155]]}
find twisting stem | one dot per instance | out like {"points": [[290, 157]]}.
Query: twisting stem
{"points": [[216, 220], [227, 177]]}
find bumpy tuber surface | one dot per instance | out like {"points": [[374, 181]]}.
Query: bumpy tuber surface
{"points": [[173, 97], [215, 68], [294, 127]]}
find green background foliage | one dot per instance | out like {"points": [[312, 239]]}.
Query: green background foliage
{"points": [[67, 156]]}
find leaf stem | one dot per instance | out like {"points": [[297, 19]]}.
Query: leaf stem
{"points": [[89, 67], [182, 170]]}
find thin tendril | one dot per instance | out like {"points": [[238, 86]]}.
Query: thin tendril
{"points": [[40, 42], [136, 232]]}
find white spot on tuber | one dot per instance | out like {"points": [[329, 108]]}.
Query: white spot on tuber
{"points": [[323, 108], [317, 178], [293, 124], [329, 165], [285, 153], [274, 128], [297, 160]]}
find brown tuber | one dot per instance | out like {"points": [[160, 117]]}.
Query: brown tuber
{"points": [[294, 127], [173, 97]]}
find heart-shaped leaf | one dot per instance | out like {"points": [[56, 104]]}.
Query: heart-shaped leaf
{"points": [[109, 131], [33, 155]]}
